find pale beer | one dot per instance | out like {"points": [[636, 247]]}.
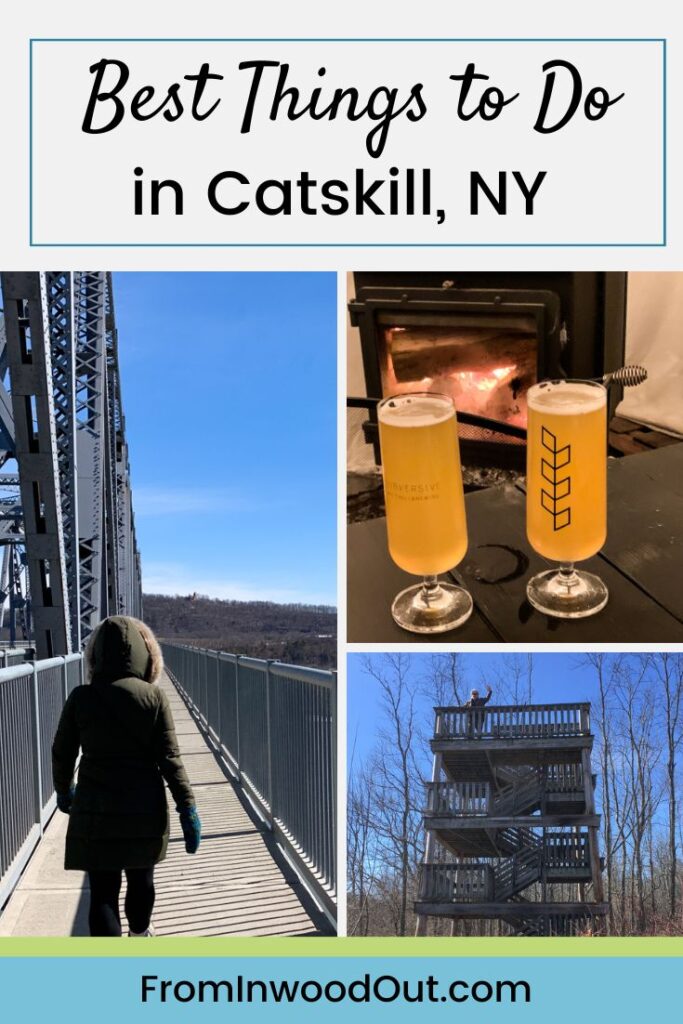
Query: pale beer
{"points": [[567, 469], [423, 490]]}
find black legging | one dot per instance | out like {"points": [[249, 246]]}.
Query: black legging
{"points": [[105, 886]]}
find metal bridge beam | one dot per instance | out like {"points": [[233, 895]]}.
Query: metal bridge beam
{"points": [[91, 408], [63, 422], [60, 313], [30, 365]]}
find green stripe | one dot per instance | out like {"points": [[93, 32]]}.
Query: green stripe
{"points": [[358, 947]]}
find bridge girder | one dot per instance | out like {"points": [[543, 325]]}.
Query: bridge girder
{"points": [[69, 442]]}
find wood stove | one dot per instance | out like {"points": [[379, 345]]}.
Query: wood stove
{"points": [[484, 339]]}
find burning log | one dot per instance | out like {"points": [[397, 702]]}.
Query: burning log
{"points": [[486, 370]]}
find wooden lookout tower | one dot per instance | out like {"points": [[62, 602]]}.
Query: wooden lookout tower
{"points": [[512, 832]]}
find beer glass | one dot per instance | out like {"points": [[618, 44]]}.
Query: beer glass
{"points": [[566, 506], [425, 505]]}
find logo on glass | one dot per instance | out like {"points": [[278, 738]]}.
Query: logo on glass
{"points": [[554, 500]]}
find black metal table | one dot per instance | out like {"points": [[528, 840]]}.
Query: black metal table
{"points": [[641, 563]]}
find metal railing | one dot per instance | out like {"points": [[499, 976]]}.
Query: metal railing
{"points": [[15, 656], [531, 721], [32, 696], [276, 725]]}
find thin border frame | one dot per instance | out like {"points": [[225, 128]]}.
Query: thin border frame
{"points": [[353, 245]]}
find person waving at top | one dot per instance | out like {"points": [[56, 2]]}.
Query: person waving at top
{"points": [[477, 718], [476, 701]]}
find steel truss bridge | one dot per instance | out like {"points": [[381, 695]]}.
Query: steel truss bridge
{"points": [[67, 528], [258, 738]]}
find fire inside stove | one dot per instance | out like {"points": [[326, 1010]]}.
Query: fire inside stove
{"points": [[486, 368]]}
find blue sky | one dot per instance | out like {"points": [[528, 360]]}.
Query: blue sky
{"points": [[556, 677], [229, 392]]}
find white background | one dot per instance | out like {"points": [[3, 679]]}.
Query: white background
{"points": [[599, 187]]}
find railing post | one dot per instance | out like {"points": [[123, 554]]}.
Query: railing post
{"points": [[237, 716], [333, 773], [204, 690], [65, 680], [36, 751], [219, 724], [269, 750]]}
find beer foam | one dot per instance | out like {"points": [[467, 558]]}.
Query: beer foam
{"points": [[415, 410], [565, 397]]}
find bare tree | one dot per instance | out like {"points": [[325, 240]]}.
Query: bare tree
{"points": [[514, 679], [641, 749], [397, 778], [361, 855], [445, 682], [605, 681], [668, 669]]}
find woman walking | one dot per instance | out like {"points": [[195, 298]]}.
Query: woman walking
{"points": [[118, 819]]}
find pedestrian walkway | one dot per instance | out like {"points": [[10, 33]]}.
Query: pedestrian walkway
{"points": [[237, 884]]}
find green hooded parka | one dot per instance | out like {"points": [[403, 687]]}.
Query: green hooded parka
{"points": [[122, 723]]}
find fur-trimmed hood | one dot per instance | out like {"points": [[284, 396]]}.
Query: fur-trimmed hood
{"points": [[122, 647]]}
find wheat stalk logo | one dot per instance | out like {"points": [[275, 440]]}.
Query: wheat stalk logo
{"points": [[559, 487]]}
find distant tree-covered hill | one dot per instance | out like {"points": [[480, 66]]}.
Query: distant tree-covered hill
{"points": [[300, 634]]}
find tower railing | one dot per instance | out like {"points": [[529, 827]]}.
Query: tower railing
{"points": [[456, 882], [32, 696], [529, 721], [478, 799], [276, 727], [557, 853], [460, 799]]}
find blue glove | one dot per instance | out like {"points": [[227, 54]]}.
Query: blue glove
{"points": [[192, 828], [65, 800]]}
